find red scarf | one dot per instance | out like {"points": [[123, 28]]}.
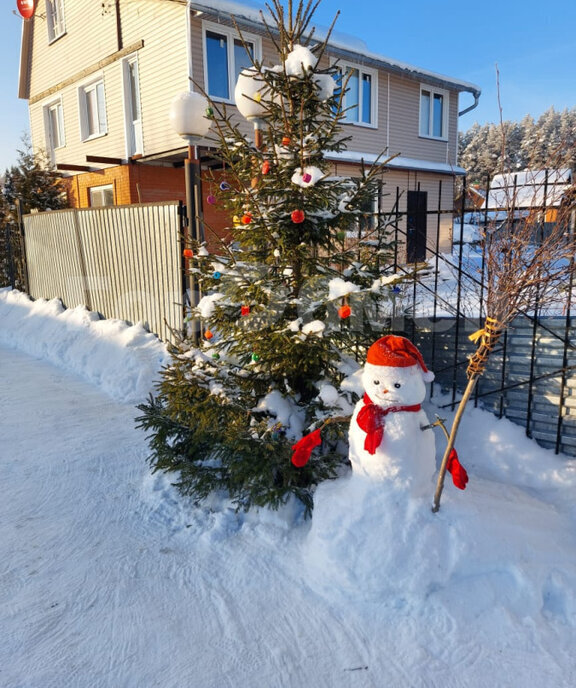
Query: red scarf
{"points": [[371, 419]]}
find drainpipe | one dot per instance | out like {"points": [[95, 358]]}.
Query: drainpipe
{"points": [[119, 40], [190, 12], [476, 95]]}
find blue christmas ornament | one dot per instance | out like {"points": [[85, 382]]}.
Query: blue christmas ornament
{"points": [[217, 275], [224, 186]]}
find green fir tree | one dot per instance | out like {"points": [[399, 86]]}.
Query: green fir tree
{"points": [[32, 184], [290, 304]]}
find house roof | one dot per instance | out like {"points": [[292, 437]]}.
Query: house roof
{"points": [[340, 43], [397, 162], [529, 188]]}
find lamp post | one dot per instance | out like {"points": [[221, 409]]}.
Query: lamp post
{"points": [[188, 115]]}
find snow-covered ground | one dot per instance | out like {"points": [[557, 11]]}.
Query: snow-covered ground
{"points": [[109, 580]]}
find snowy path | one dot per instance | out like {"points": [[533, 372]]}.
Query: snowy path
{"points": [[108, 581], [105, 583]]}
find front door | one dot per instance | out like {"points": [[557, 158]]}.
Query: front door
{"points": [[417, 204]]}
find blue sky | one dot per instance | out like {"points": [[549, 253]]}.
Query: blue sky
{"points": [[533, 44]]}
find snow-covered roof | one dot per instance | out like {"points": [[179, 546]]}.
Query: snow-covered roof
{"points": [[252, 11], [397, 162], [529, 188]]}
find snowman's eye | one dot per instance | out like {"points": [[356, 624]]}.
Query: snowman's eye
{"points": [[397, 385], [376, 382]]}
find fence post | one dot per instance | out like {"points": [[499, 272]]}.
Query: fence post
{"points": [[182, 242], [10, 256], [567, 328], [82, 258], [459, 296], [437, 256], [22, 238]]}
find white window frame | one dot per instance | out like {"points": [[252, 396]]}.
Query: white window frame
{"points": [[230, 35], [133, 132], [100, 190], [55, 20], [426, 128], [99, 116], [344, 67], [54, 139]]}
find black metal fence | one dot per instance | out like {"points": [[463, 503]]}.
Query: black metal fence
{"points": [[530, 378]]}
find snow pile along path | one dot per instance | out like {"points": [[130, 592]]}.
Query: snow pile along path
{"points": [[123, 360]]}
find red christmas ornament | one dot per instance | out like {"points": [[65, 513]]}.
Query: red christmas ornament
{"points": [[307, 177], [188, 253], [265, 167], [208, 334], [211, 199], [286, 141], [344, 311], [245, 310], [246, 219], [298, 216]]}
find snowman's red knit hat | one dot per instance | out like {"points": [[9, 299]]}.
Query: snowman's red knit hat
{"points": [[397, 352]]}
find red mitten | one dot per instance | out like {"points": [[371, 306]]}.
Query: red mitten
{"points": [[303, 448], [371, 420], [457, 470]]}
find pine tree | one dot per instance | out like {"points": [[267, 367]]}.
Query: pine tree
{"points": [[289, 305], [507, 147], [34, 184]]}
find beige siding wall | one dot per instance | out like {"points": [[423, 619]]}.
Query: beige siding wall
{"points": [[398, 110]]}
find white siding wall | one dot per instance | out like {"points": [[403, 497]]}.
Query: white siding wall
{"points": [[91, 37], [163, 66]]}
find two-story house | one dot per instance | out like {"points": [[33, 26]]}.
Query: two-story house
{"points": [[100, 77]]}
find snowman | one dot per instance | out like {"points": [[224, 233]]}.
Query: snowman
{"points": [[390, 435]]}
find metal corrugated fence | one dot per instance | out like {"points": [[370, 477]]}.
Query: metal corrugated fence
{"points": [[123, 262], [530, 377]]}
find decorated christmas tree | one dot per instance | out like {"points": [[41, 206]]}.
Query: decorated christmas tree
{"points": [[291, 302]]}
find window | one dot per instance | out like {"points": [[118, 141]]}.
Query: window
{"points": [[54, 126], [55, 19], [433, 113], [92, 110], [359, 101], [225, 57], [101, 196]]}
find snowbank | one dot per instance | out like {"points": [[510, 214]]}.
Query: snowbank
{"points": [[122, 360]]}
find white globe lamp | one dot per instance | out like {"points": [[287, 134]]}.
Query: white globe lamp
{"points": [[188, 116], [248, 98]]}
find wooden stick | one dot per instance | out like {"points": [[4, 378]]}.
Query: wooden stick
{"points": [[444, 465]]}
